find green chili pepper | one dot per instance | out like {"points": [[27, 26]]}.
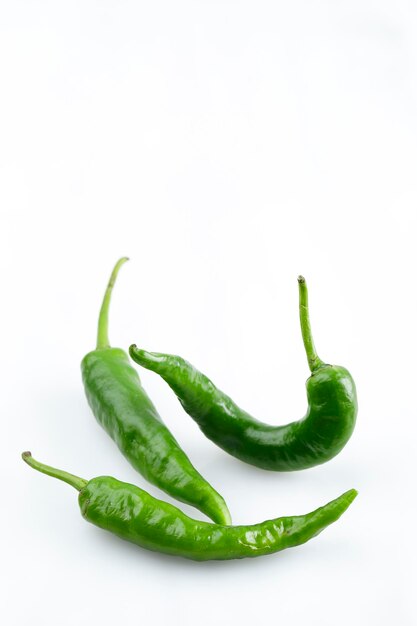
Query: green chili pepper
{"points": [[134, 515], [318, 437], [123, 408]]}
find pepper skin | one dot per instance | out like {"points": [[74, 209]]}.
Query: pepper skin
{"points": [[315, 439], [122, 406], [134, 515]]}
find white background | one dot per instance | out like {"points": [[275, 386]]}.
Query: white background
{"points": [[226, 147]]}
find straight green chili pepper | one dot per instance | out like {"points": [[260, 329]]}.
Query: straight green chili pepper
{"points": [[134, 515], [315, 439], [122, 406]]}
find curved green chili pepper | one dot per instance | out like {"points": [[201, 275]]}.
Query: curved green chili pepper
{"points": [[136, 516], [319, 436], [123, 408]]}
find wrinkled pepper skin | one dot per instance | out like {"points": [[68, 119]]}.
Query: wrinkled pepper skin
{"points": [[315, 439], [123, 408], [134, 515]]}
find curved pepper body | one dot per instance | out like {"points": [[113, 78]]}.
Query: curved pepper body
{"points": [[315, 439], [122, 406], [136, 516]]}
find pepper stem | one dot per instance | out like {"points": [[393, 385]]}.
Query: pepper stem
{"points": [[314, 362], [103, 320], [74, 481]]}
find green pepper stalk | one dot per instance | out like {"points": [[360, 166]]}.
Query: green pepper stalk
{"points": [[315, 439], [122, 406], [134, 515], [313, 360]]}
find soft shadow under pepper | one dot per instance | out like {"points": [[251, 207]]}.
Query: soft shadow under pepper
{"points": [[122, 406], [134, 515], [315, 439]]}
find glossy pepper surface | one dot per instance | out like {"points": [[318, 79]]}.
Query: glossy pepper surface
{"points": [[134, 515], [122, 406], [315, 439]]}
